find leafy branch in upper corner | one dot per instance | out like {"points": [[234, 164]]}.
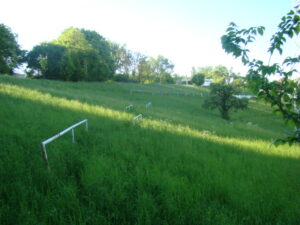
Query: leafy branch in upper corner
{"points": [[283, 94]]}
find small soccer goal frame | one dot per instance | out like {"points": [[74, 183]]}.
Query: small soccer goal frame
{"points": [[71, 128]]}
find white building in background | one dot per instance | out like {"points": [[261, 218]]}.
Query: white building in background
{"points": [[207, 82], [244, 96], [188, 80]]}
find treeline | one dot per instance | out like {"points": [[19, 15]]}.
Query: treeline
{"points": [[217, 74], [79, 54]]}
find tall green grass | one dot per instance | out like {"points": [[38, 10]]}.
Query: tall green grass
{"points": [[181, 164]]}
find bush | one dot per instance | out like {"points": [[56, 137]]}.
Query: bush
{"points": [[121, 78], [166, 79], [222, 97], [198, 79]]}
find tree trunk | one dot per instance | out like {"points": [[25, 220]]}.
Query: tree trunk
{"points": [[224, 114]]}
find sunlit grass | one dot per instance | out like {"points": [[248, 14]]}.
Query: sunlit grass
{"points": [[33, 95], [258, 145]]}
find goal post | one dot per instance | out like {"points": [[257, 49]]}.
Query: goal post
{"points": [[47, 141]]}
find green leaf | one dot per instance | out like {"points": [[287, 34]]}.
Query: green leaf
{"points": [[229, 29], [297, 29], [286, 98], [260, 30], [290, 33], [291, 12]]}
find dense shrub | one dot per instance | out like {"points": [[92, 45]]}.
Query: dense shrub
{"points": [[198, 79]]}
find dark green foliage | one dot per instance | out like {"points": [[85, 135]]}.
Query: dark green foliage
{"points": [[198, 79], [104, 52], [76, 55], [53, 54], [282, 94], [222, 97], [85, 55], [121, 78], [10, 53], [166, 78]]}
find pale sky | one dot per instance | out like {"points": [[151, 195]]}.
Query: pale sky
{"points": [[185, 31]]}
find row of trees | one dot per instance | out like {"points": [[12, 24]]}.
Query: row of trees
{"points": [[79, 54], [218, 74], [134, 66]]}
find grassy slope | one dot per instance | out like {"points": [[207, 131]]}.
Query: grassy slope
{"points": [[180, 165]]}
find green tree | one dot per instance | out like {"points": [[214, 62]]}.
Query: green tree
{"points": [[11, 54], [68, 68], [206, 70], [45, 60], [122, 58], [144, 69], [222, 74], [73, 38], [222, 97], [161, 69], [198, 79], [166, 78], [103, 49], [75, 61], [136, 59], [75, 55], [138, 67], [284, 93]]}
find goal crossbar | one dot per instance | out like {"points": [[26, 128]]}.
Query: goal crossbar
{"points": [[43, 143]]}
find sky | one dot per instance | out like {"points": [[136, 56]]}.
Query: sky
{"points": [[185, 31]]}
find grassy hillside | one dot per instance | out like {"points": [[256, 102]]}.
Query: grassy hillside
{"points": [[181, 164]]}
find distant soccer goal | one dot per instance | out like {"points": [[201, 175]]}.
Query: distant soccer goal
{"points": [[71, 128], [129, 107], [149, 104], [137, 118]]}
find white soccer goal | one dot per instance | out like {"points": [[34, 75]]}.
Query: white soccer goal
{"points": [[136, 118], [71, 128], [149, 104], [127, 108]]}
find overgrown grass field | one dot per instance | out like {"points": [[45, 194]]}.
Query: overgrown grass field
{"points": [[180, 164]]}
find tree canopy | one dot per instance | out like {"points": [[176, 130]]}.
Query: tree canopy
{"points": [[79, 54], [141, 68], [73, 38], [75, 55], [222, 97], [11, 54], [198, 79], [45, 59]]}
